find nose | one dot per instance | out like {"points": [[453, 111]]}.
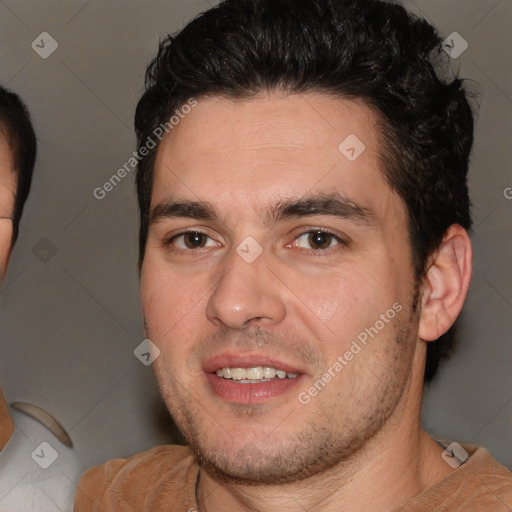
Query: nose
{"points": [[246, 293]]}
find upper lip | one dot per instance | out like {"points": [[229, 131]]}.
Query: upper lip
{"points": [[247, 360]]}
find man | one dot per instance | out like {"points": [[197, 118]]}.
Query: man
{"points": [[37, 468], [304, 254]]}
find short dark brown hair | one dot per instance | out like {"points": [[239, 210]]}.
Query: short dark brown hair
{"points": [[17, 126]]}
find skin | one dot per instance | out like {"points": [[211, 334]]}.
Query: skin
{"points": [[358, 444], [7, 187], [7, 191]]}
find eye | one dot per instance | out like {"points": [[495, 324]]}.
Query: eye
{"points": [[192, 240], [318, 240]]}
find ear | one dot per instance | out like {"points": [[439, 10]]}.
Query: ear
{"points": [[446, 284]]}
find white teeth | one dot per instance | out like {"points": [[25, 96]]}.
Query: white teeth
{"points": [[269, 373], [253, 374], [238, 373]]}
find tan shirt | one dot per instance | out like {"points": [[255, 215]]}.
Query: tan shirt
{"points": [[163, 479]]}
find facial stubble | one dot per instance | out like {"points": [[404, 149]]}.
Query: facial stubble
{"points": [[332, 433]]}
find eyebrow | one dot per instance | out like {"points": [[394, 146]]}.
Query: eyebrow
{"points": [[183, 209], [333, 204]]}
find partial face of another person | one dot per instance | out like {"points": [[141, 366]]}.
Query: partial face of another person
{"points": [[269, 247], [7, 194]]}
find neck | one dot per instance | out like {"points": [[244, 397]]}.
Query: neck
{"points": [[392, 467]]}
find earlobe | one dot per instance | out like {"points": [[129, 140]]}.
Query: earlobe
{"points": [[446, 284]]}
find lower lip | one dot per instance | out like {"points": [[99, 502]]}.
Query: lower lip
{"points": [[234, 391]]}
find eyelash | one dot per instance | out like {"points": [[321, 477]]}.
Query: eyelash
{"points": [[313, 252]]}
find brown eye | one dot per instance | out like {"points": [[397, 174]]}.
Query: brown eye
{"points": [[192, 240], [318, 240]]}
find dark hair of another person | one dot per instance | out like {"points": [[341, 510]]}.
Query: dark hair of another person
{"points": [[368, 50], [16, 125]]}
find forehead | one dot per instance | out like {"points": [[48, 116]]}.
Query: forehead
{"points": [[243, 152], [7, 177]]}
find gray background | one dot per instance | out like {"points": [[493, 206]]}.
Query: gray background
{"points": [[69, 310]]}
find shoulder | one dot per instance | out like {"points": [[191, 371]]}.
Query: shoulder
{"points": [[43, 481], [480, 483], [493, 480], [139, 482]]}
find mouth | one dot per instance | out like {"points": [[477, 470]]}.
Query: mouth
{"points": [[253, 375], [247, 379]]}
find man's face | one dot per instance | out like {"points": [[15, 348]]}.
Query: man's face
{"points": [[7, 190], [327, 272]]}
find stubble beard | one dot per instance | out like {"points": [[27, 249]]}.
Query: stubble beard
{"points": [[328, 436]]}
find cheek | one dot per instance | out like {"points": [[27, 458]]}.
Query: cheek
{"points": [[344, 300], [331, 301], [343, 307]]}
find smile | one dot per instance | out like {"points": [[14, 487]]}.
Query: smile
{"points": [[255, 374]]}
